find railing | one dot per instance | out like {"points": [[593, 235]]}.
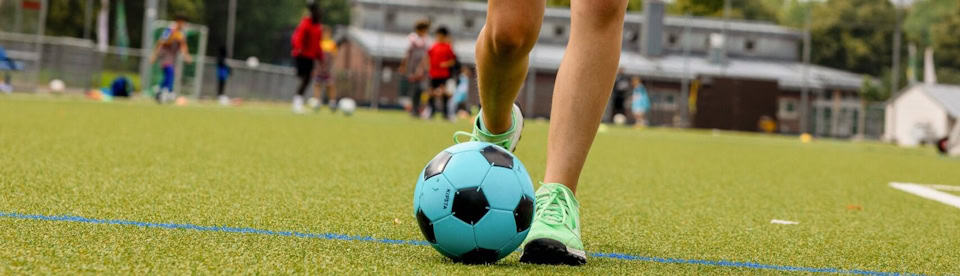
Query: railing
{"points": [[81, 67]]}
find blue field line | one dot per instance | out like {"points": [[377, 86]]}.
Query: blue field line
{"points": [[342, 237]]}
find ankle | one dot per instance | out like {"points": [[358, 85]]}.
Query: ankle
{"points": [[568, 184], [496, 127]]}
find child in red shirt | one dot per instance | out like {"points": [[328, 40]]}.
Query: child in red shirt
{"points": [[306, 51], [442, 59]]}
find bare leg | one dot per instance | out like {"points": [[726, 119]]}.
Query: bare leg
{"points": [[583, 86], [503, 49], [331, 93]]}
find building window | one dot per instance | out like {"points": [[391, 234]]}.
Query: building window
{"points": [[788, 109], [749, 45], [559, 30], [672, 39], [666, 101], [468, 23]]}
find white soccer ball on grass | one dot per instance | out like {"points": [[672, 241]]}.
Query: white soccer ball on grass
{"points": [[347, 106], [57, 85]]}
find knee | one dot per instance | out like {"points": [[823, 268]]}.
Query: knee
{"points": [[512, 41], [601, 12]]}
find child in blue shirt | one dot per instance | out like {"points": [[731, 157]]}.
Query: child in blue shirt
{"points": [[458, 102], [641, 102]]}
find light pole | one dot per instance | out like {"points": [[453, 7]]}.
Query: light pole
{"points": [[146, 42], [895, 73], [805, 70], [231, 26], [18, 17], [378, 62], [87, 18]]}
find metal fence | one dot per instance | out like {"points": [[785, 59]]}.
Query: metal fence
{"points": [[82, 67]]}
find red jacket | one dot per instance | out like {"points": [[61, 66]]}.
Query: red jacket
{"points": [[306, 40]]}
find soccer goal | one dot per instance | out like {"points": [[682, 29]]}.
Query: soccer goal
{"points": [[188, 77]]}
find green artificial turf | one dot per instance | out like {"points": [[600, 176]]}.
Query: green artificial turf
{"points": [[664, 193]]}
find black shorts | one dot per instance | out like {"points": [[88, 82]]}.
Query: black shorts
{"points": [[304, 67], [437, 83]]}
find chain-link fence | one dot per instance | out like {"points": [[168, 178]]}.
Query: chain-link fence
{"points": [[82, 67]]}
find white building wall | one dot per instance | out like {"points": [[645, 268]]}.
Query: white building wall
{"points": [[916, 117]]}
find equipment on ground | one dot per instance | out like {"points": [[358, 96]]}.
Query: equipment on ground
{"points": [[474, 202]]}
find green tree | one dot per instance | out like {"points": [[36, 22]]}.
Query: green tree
{"points": [[632, 5], [765, 10], [923, 15], [793, 13], [853, 35], [946, 45], [65, 18]]}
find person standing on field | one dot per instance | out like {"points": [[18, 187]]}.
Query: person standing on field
{"points": [[442, 59], [325, 79], [584, 82], [306, 51], [223, 73], [415, 64], [641, 102], [172, 42]]}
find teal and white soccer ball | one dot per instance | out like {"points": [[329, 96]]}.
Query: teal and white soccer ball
{"points": [[474, 202]]}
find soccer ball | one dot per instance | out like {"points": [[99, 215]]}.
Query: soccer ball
{"points": [[474, 202], [347, 105], [57, 85], [619, 119], [253, 62]]}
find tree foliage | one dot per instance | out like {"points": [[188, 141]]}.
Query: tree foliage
{"points": [[946, 45], [854, 35], [765, 10], [923, 15]]}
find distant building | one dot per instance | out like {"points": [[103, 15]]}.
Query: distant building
{"points": [[922, 114], [732, 60]]}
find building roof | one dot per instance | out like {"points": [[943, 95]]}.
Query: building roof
{"points": [[631, 17], [947, 96], [789, 75]]}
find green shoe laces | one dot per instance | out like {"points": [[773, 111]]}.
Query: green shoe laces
{"points": [[502, 140], [553, 208]]}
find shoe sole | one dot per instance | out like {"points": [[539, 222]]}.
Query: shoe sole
{"points": [[551, 252], [516, 108]]}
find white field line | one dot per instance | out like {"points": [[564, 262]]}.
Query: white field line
{"points": [[778, 221], [949, 188], [928, 193]]}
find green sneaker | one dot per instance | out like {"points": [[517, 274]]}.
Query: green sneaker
{"points": [[554, 236], [507, 140]]}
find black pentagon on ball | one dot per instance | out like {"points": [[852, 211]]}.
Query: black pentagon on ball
{"points": [[479, 256], [436, 165], [498, 156], [426, 227], [469, 205], [523, 214]]}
